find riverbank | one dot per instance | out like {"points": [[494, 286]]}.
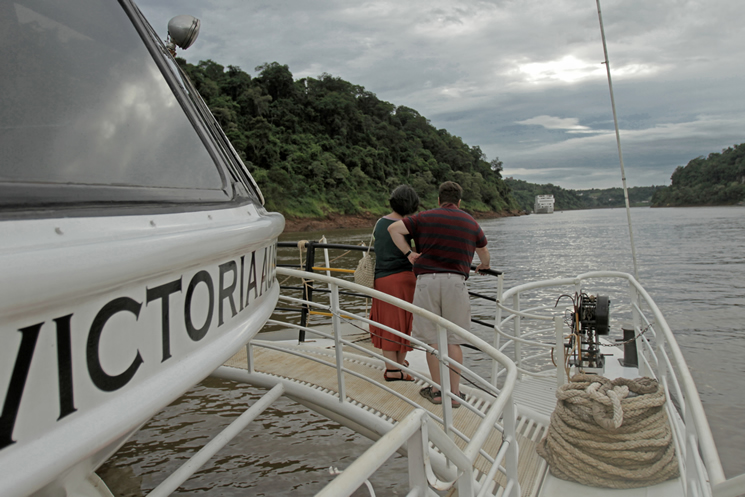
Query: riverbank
{"points": [[367, 220]]}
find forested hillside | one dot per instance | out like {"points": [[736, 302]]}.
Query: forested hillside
{"points": [[594, 198], [320, 146], [639, 196], [525, 194], [718, 179]]}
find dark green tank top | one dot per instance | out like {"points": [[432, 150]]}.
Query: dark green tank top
{"points": [[388, 258]]}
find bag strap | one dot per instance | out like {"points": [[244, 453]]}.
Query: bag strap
{"points": [[372, 235]]}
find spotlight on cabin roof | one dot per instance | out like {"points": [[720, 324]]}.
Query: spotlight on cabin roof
{"points": [[182, 32]]}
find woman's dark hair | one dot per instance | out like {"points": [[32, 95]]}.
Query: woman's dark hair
{"points": [[404, 200]]}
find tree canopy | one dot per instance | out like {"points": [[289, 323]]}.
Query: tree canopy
{"points": [[317, 146], [595, 198], [718, 179]]}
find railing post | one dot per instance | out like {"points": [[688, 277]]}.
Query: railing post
{"points": [[630, 352], [447, 408], [633, 359], [661, 363], [518, 332], [310, 256], [339, 348], [561, 375], [325, 255], [689, 472], [465, 484], [417, 448], [513, 451], [497, 324], [250, 358]]}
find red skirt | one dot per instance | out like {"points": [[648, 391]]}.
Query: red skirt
{"points": [[399, 285]]}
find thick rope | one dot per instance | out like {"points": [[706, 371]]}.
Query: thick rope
{"points": [[612, 434]]}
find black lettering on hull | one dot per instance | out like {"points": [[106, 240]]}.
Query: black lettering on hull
{"points": [[17, 383], [197, 334], [100, 378], [227, 288], [64, 366], [227, 293], [163, 292], [252, 279]]}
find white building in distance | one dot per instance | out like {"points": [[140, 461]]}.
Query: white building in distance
{"points": [[544, 204]]}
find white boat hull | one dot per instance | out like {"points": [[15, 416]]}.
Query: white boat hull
{"points": [[129, 314]]}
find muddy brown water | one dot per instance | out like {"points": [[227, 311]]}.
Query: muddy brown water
{"points": [[691, 261]]}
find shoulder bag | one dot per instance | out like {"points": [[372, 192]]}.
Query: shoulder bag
{"points": [[365, 273]]}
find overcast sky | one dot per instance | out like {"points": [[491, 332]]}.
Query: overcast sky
{"points": [[522, 79]]}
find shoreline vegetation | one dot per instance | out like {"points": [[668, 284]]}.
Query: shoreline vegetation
{"points": [[366, 220], [325, 148], [718, 179], [326, 153]]}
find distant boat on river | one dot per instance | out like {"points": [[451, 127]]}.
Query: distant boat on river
{"points": [[544, 204]]}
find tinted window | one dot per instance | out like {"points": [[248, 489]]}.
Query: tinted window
{"points": [[83, 103]]}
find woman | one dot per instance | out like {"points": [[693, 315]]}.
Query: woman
{"points": [[394, 276]]}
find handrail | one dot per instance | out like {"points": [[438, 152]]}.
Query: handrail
{"points": [[374, 457], [192, 465], [438, 320], [683, 382], [665, 356], [415, 431], [310, 266], [342, 246], [501, 406], [703, 430]]}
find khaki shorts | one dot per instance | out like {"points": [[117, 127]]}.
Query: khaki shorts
{"points": [[446, 295]]}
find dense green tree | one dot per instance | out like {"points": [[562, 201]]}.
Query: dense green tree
{"points": [[325, 145], [718, 179], [525, 194]]}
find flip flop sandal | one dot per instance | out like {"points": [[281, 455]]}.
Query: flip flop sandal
{"points": [[401, 375], [431, 395]]}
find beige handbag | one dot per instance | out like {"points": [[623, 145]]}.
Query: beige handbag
{"points": [[365, 273]]}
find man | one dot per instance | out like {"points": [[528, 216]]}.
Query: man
{"points": [[446, 238]]}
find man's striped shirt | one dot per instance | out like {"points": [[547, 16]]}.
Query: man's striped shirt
{"points": [[446, 238]]}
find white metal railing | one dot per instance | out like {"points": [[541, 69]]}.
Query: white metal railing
{"points": [[501, 407], [192, 465], [523, 329], [415, 431], [658, 356]]}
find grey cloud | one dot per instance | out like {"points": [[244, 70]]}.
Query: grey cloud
{"points": [[487, 70]]}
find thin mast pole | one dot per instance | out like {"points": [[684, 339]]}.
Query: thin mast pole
{"points": [[618, 140]]}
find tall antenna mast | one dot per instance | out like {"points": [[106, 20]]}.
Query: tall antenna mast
{"points": [[618, 140]]}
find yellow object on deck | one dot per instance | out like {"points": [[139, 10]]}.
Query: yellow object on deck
{"points": [[328, 314], [338, 270]]}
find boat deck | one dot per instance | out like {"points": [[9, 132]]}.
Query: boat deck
{"points": [[309, 371], [311, 364]]}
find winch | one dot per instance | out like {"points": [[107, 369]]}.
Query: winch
{"points": [[588, 321]]}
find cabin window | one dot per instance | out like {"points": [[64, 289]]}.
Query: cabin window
{"points": [[86, 115]]}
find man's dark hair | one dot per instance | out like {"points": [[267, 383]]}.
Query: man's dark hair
{"points": [[450, 192], [404, 200]]}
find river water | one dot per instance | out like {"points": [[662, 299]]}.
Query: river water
{"points": [[690, 260]]}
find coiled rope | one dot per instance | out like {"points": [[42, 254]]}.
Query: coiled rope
{"points": [[612, 434]]}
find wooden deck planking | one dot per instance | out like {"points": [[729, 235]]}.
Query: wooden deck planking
{"points": [[385, 404]]}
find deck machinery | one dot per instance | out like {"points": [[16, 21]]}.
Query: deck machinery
{"points": [[588, 321]]}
